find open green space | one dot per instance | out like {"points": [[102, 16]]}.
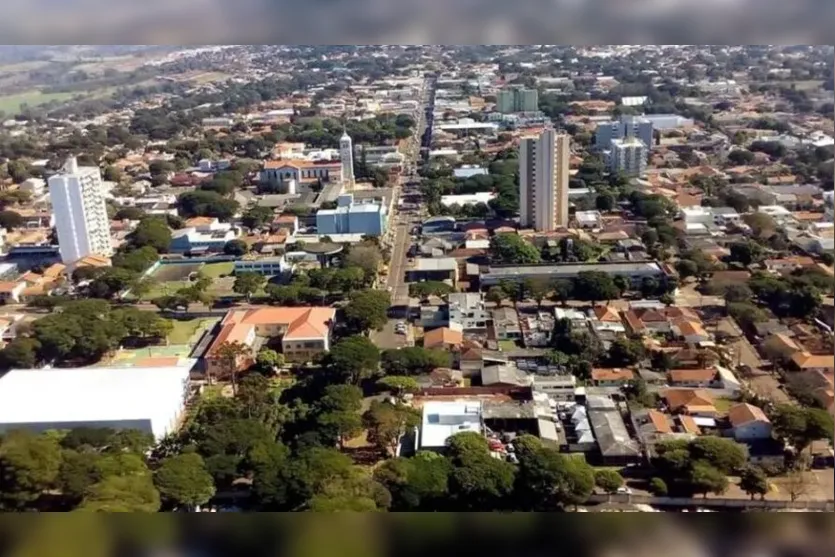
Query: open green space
{"points": [[507, 345], [723, 404], [183, 331], [10, 104], [215, 270]]}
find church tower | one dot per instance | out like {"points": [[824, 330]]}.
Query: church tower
{"points": [[346, 155]]}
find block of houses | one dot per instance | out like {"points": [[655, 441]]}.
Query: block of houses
{"points": [[658, 319], [691, 330], [611, 377], [304, 333], [693, 402], [748, 423]]}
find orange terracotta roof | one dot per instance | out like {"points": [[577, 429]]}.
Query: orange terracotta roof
{"points": [[200, 221], [689, 328], [443, 336], [659, 421], [683, 398], [54, 270], [606, 313], [614, 374], [805, 360], [93, 260], [8, 286], [744, 413], [692, 375], [688, 424]]}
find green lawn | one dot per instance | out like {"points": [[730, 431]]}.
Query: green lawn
{"points": [[165, 289], [215, 270], [723, 404], [507, 346], [184, 330], [10, 104]]}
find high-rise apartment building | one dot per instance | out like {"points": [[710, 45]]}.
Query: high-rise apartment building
{"points": [[346, 156], [77, 197], [627, 126], [543, 180], [517, 99], [628, 156]]}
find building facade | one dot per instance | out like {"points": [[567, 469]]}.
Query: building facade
{"points": [[543, 181], [628, 156], [78, 202], [627, 126], [346, 158], [352, 218], [517, 99]]}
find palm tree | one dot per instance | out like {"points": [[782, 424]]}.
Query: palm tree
{"points": [[229, 354]]}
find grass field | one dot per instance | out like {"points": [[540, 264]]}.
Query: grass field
{"points": [[723, 404], [216, 270], [10, 104], [184, 330], [507, 346]]}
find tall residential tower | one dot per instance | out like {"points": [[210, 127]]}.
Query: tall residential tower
{"points": [[77, 196], [543, 180], [346, 156]]}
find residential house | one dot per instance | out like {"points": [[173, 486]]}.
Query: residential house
{"points": [[694, 378], [690, 330], [506, 324], [804, 361], [443, 338], [693, 402], [304, 333], [611, 377], [467, 311], [788, 263], [749, 423]]}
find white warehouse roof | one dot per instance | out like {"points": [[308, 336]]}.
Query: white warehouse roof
{"points": [[150, 399]]}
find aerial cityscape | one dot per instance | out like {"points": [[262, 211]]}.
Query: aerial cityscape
{"points": [[417, 278]]}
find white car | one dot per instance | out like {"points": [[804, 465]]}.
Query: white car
{"points": [[624, 491]]}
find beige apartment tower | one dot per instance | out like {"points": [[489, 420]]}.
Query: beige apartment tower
{"points": [[543, 181]]}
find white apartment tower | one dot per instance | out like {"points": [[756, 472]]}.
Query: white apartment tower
{"points": [[543, 181], [81, 221], [346, 156], [628, 156]]}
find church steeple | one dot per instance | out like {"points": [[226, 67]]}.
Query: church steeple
{"points": [[346, 156]]}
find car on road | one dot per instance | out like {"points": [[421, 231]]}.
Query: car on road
{"points": [[400, 328]]}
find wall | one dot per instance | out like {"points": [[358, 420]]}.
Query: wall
{"points": [[713, 502]]}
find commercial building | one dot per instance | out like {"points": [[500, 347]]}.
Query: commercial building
{"points": [[443, 419], [517, 99], [266, 266], [627, 126], [78, 202], [634, 271], [304, 333], [628, 156], [204, 235], [349, 217], [543, 181], [346, 159], [149, 399], [299, 173]]}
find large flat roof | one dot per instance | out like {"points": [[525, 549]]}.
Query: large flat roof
{"points": [[92, 394], [443, 419]]}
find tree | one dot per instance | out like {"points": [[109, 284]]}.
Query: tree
{"points": [[753, 481], [368, 310], [537, 288], [477, 480], [230, 355], [513, 249], [686, 268], [269, 360], [386, 423], [797, 484], [745, 252], [726, 455], [735, 293], [29, 465], [10, 220], [595, 286], [248, 284], [801, 426], [563, 290], [354, 358], [624, 352], [235, 247], [153, 232], [417, 483], [398, 384], [762, 225], [134, 493], [201, 203], [184, 481], [338, 412], [649, 287], [429, 288], [257, 217], [414, 360], [367, 257], [495, 295], [608, 480], [705, 479], [21, 353], [658, 487], [746, 314]]}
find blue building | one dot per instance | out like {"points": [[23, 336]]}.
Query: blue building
{"points": [[367, 218]]}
